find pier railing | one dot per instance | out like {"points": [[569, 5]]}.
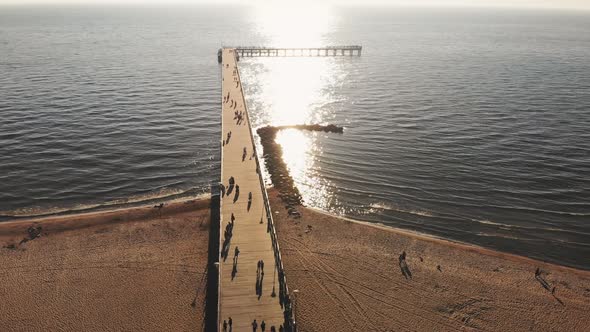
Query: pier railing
{"points": [[284, 298], [263, 51]]}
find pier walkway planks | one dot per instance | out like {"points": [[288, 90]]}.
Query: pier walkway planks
{"points": [[238, 298]]}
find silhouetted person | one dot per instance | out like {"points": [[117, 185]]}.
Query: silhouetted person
{"points": [[236, 254], [237, 193], [224, 326], [273, 329], [262, 266], [244, 154], [263, 326], [230, 323], [254, 326], [230, 189], [281, 329], [234, 270], [232, 217], [537, 272]]}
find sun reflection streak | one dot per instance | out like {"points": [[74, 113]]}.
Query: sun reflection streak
{"points": [[293, 24], [300, 152], [296, 90]]}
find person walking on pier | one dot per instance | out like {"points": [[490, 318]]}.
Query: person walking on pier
{"points": [[237, 193], [224, 326], [263, 326], [236, 254], [230, 323], [254, 326]]}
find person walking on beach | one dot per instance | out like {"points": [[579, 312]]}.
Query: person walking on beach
{"points": [[263, 326], [254, 326]]}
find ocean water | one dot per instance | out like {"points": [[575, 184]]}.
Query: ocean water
{"points": [[472, 125]]}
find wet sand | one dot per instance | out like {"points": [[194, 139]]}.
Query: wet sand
{"points": [[349, 279], [128, 270]]}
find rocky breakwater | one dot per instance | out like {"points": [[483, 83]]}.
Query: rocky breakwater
{"points": [[277, 168]]}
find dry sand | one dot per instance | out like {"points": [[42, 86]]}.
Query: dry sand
{"points": [[142, 268], [349, 278], [136, 269]]}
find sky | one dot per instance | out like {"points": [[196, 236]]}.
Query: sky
{"points": [[566, 4]]}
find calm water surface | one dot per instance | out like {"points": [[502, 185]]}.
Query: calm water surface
{"points": [[469, 125]]}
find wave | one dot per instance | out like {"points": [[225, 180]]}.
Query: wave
{"points": [[163, 195], [385, 206]]}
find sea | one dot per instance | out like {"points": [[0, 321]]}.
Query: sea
{"points": [[466, 124]]}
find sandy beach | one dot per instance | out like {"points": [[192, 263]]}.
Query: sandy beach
{"points": [[349, 278], [139, 269], [143, 269]]}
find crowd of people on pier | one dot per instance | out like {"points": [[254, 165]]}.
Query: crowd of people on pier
{"points": [[234, 188]]}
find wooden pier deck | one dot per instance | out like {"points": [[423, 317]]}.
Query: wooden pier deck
{"points": [[238, 298]]}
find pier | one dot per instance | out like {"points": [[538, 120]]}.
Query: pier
{"points": [[259, 51], [246, 293]]}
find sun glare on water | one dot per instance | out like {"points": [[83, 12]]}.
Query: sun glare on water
{"points": [[293, 24], [298, 90]]}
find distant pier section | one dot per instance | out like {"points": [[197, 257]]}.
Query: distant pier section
{"points": [[259, 51]]}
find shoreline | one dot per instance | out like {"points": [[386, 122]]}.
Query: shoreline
{"points": [[454, 243], [12, 231], [61, 222], [19, 214]]}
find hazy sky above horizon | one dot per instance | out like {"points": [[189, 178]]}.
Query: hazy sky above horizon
{"points": [[571, 4]]}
